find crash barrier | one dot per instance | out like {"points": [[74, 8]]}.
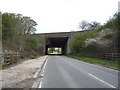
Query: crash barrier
{"points": [[106, 56], [8, 57]]}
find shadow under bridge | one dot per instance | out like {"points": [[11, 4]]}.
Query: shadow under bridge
{"points": [[59, 42]]}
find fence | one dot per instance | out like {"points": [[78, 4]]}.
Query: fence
{"points": [[107, 56]]}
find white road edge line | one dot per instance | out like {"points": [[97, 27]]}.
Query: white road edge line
{"points": [[43, 71], [40, 85], [102, 81], [45, 64], [42, 75]]}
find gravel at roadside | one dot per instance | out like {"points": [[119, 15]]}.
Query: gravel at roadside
{"points": [[21, 76]]}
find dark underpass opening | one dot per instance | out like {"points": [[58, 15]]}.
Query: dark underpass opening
{"points": [[56, 46]]}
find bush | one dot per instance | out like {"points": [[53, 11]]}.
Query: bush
{"points": [[103, 39], [31, 57], [32, 45], [78, 44], [31, 42]]}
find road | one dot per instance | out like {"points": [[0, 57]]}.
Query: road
{"points": [[65, 72]]}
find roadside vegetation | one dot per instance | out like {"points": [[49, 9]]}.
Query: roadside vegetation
{"points": [[97, 61], [17, 39], [98, 39], [17, 31], [0, 66]]}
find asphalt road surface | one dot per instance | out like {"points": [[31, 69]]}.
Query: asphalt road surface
{"points": [[65, 72]]}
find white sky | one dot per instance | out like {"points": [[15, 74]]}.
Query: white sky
{"points": [[61, 15]]}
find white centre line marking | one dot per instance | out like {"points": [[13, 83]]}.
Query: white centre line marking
{"points": [[102, 81], [40, 85]]}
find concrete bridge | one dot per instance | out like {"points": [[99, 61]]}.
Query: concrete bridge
{"points": [[60, 39]]}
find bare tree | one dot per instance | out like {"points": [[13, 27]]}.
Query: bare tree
{"points": [[83, 25], [93, 25]]}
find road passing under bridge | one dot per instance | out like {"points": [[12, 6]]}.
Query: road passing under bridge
{"points": [[64, 72]]}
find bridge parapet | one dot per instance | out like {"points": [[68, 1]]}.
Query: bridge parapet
{"points": [[55, 38]]}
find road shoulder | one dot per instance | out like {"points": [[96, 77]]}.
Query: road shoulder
{"points": [[22, 75]]}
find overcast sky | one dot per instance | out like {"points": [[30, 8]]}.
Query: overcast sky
{"points": [[61, 15]]}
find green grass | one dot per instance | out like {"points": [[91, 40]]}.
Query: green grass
{"points": [[3, 66], [31, 57], [0, 66], [97, 61]]}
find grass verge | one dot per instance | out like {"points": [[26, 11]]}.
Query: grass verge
{"points": [[3, 66], [31, 57], [97, 61], [0, 66]]}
